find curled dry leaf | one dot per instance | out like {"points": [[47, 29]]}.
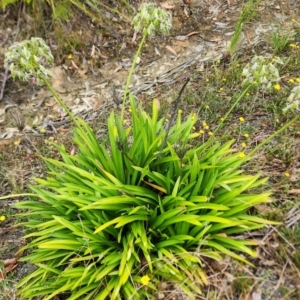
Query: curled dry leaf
{"points": [[166, 5], [9, 261], [192, 33], [104, 56], [134, 37], [117, 69], [171, 50], [62, 129], [93, 51], [74, 65], [9, 264], [50, 104], [294, 191]]}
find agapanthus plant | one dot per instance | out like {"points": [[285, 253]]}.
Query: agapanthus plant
{"points": [[113, 223]]}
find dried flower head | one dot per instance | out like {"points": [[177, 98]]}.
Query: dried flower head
{"points": [[152, 19], [25, 60]]}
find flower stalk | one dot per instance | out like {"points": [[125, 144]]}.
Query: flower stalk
{"points": [[150, 19]]}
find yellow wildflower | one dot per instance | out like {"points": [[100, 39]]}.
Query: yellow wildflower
{"points": [[166, 120], [210, 133], [207, 106], [201, 131], [287, 174], [224, 79], [242, 154], [145, 280], [204, 124], [222, 119], [206, 127], [242, 120], [221, 89], [43, 130], [243, 145], [292, 45], [291, 80], [246, 135], [201, 70], [207, 80], [277, 86], [180, 111], [298, 79], [70, 56], [16, 143], [293, 20], [125, 121], [2, 218], [130, 110]]}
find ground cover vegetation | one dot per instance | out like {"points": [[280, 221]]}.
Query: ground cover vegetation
{"points": [[64, 10], [164, 195]]}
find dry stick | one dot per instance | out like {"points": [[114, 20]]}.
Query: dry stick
{"points": [[173, 114]]}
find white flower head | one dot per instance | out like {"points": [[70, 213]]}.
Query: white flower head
{"points": [[151, 19], [262, 71], [25, 59], [293, 100]]}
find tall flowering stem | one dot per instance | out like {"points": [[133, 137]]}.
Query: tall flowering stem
{"points": [[131, 72], [25, 61], [231, 108], [150, 20], [267, 140]]}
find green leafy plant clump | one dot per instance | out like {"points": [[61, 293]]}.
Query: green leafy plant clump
{"points": [[149, 206], [112, 223]]}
